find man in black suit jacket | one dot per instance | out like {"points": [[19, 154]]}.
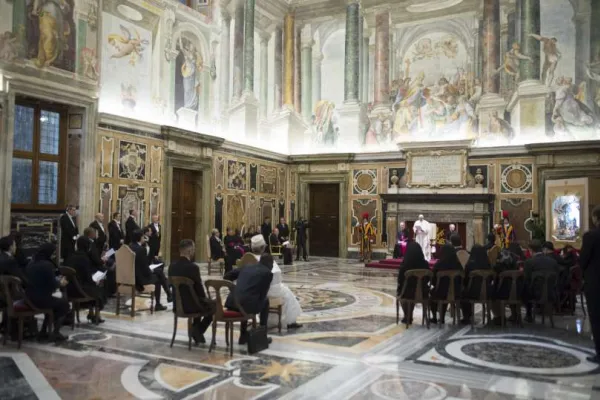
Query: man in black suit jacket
{"points": [[96, 262], [253, 283], [266, 230], [68, 232], [185, 267], [284, 230], [154, 239], [115, 232], [590, 263], [539, 262], [8, 262], [98, 225], [144, 275], [301, 227], [131, 226], [451, 231]]}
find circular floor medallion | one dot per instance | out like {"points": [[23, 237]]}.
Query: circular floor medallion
{"points": [[517, 355], [407, 389], [322, 299]]}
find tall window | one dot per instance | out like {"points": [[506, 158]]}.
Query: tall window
{"points": [[38, 156]]}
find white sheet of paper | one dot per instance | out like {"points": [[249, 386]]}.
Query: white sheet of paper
{"points": [[98, 276], [286, 243], [154, 266], [109, 253]]}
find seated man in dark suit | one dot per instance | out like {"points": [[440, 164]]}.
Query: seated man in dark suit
{"points": [[216, 245], [8, 262], [539, 262], [146, 276], [252, 286], [185, 267], [286, 252]]}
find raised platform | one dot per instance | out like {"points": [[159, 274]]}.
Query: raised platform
{"points": [[391, 263]]}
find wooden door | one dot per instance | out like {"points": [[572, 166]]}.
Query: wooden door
{"points": [[324, 232], [183, 210]]}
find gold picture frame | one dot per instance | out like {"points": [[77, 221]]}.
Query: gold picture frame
{"points": [[566, 211]]}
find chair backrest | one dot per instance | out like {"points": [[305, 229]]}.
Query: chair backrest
{"points": [[547, 279], [514, 276], [216, 285], [125, 261], [208, 253], [12, 288], [177, 282], [71, 276], [420, 275], [247, 259], [275, 248], [486, 275], [493, 254], [452, 276], [463, 257]]}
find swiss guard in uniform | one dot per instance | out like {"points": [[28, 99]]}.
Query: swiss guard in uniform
{"points": [[507, 233], [367, 235]]}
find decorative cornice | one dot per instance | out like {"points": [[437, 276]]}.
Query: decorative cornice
{"points": [[189, 137]]}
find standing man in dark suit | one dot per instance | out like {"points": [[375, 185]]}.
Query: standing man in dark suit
{"points": [[451, 231], [115, 233], [154, 241], [144, 275], [589, 260], [185, 267], [301, 227], [266, 230], [284, 230], [131, 226], [98, 225], [68, 232], [253, 283]]}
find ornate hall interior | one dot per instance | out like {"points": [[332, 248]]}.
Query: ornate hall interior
{"points": [[203, 115]]}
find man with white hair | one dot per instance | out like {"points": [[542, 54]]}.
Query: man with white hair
{"points": [[422, 231], [451, 231]]}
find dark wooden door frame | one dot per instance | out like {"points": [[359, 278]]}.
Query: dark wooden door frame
{"points": [[323, 228], [342, 179], [197, 190]]}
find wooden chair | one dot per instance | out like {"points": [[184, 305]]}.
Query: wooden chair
{"points": [[486, 276], [493, 254], [514, 297], [177, 282], [421, 295], [548, 284], [247, 259], [452, 297], [276, 307], [19, 309], [125, 277], [463, 257], [221, 261], [81, 298], [576, 288], [276, 249], [229, 317]]}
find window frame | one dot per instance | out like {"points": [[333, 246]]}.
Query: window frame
{"points": [[36, 156]]}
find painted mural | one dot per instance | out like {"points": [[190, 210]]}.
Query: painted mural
{"points": [[126, 63]]}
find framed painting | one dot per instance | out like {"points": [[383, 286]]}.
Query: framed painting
{"points": [[566, 211]]}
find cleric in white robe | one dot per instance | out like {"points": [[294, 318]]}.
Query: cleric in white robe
{"points": [[422, 231], [291, 309]]}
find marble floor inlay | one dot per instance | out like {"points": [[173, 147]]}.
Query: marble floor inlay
{"points": [[349, 347]]}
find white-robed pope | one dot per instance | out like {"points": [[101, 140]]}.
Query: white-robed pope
{"points": [[422, 231]]}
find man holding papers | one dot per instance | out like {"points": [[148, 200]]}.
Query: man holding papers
{"points": [[146, 274]]}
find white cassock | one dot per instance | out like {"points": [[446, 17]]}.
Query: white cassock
{"points": [[422, 237], [291, 309]]}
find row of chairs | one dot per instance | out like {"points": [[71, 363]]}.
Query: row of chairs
{"points": [[485, 276]]}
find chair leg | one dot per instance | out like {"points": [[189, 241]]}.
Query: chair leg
{"points": [[20, 337], [426, 311], [174, 329], [189, 334], [213, 341], [74, 306], [279, 312], [473, 315], [132, 302], [97, 314], [118, 310], [231, 340], [152, 303], [582, 305], [7, 328], [208, 267], [227, 327], [489, 312], [397, 311], [502, 314]]}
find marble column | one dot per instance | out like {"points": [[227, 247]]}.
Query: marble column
{"points": [[491, 46], [382, 54], [351, 54], [307, 80], [238, 50], [249, 46], [264, 76], [529, 13], [479, 50], [225, 58], [298, 70], [278, 68], [361, 21], [289, 33], [317, 61], [366, 78]]}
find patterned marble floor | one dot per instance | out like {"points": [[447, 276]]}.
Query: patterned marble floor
{"points": [[349, 348]]}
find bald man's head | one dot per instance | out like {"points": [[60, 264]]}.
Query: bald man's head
{"points": [[100, 217]]}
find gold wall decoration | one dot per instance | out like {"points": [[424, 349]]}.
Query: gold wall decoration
{"points": [[282, 181], [267, 178], [219, 172], [154, 201], [132, 160], [156, 162], [106, 200], [107, 153], [236, 211]]}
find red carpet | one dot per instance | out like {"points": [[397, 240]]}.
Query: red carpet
{"points": [[390, 263]]}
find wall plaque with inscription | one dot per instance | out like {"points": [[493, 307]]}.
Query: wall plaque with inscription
{"points": [[434, 169]]}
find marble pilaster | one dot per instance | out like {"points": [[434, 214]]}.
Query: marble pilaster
{"points": [[278, 68], [7, 106], [366, 77], [382, 54], [351, 71], [225, 59], [307, 79], [317, 61], [264, 75], [238, 50], [289, 35], [361, 21], [249, 46], [298, 70]]}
